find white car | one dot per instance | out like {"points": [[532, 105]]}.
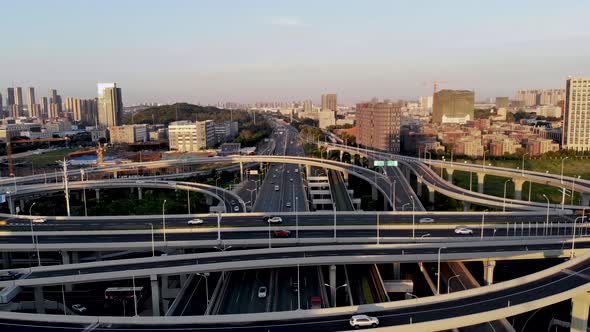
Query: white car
{"points": [[462, 230], [262, 292], [79, 308], [275, 220], [195, 221], [288, 204], [236, 208], [426, 220], [39, 220], [357, 321]]}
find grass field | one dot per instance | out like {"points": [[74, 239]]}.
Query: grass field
{"points": [[46, 159]]}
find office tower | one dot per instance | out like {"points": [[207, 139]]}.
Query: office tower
{"points": [[329, 102], [9, 97], [55, 99], [30, 100], [44, 107], [379, 125], [1, 106], [576, 120], [307, 106], [425, 102], [110, 105], [502, 102], [18, 100], [187, 136], [453, 106]]}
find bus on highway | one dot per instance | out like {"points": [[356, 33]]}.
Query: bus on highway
{"points": [[123, 293]]}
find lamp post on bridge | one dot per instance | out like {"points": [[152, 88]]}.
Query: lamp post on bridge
{"points": [[438, 274], [164, 221], [413, 218], [547, 217]]}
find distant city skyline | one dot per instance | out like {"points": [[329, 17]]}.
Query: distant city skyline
{"points": [[268, 51]]}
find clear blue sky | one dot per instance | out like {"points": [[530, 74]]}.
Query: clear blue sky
{"points": [[205, 51]]}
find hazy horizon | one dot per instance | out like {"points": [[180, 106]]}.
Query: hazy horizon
{"points": [[209, 51]]}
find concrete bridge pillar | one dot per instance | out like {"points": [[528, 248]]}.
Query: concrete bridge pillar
{"points": [[374, 193], [431, 192], [466, 206], [345, 176], [21, 203], [97, 191], [450, 172], [397, 275], [333, 284], [39, 300], [241, 171], [418, 186], [155, 294], [518, 188], [139, 193], [480, 180], [308, 170], [585, 199], [488, 271], [341, 155], [115, 174], [11, 205], [6, 260], [65, 256], [580, 306], [407, 173]]}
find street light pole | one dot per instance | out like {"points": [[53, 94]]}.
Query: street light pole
{"points": [[574, 235], [483, 215], [153, 245], [504, 201], [33, 235], [449, 282], [164, 221], [438, 275], [413, 217], [547, 217]]}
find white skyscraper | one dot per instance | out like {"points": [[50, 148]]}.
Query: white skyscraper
{"points": [[576, 118], [110, 105]]}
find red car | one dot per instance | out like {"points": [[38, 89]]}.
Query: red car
{"points": [[282, 233]]}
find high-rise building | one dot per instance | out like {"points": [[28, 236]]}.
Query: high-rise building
{"points": [[329, 102], [307, 106], [44, 107], [55, 105], [379, 125], [576, 118], [453, 106], [326, 118], [110, 105], [502, 102], [1, 107], [128, 134], [425, 102], [9, 96], [187, 136], [30, 100], [18, 99]]}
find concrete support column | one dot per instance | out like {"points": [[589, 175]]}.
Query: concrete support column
{"points": [[585, 199], [397, 275], [431, 192], [407, 173], [11, 205], [39, 300], [480, 180], [155, 294], [518, 188], [580, 306], [308, 170], [450, 172], [97, 191], [21, 203], [333, 284], [241, 171], [374, 193], [341, 155], [488, 271], [114, 174], [65, 256], [139, 193], [6, 260], [466, 206], [345, 176]]}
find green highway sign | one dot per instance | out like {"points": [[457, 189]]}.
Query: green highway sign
{"points": [[392, 163], [379, 163]]}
